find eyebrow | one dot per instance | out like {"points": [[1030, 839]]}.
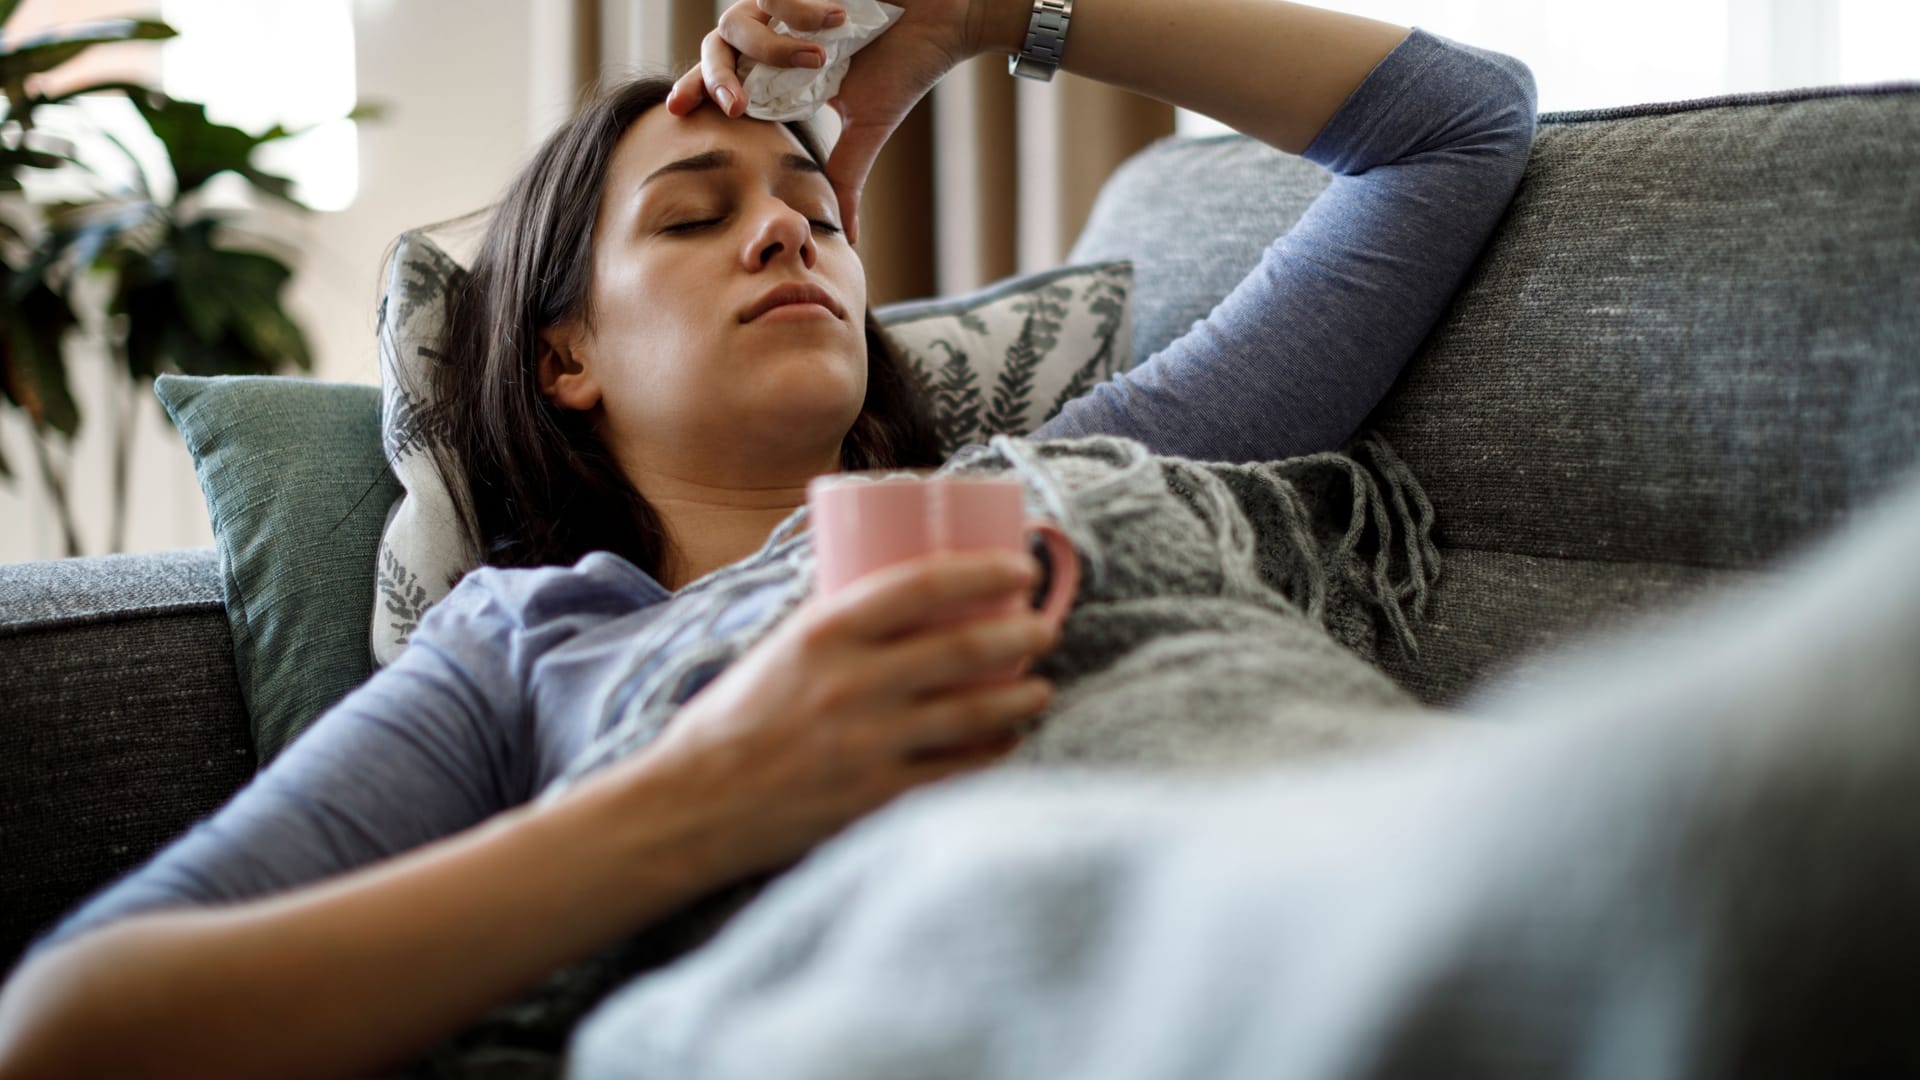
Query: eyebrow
{"points": [[725, 159]]}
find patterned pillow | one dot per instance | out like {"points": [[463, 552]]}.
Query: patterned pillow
{"points": [[424, 551], [1004, 359]]}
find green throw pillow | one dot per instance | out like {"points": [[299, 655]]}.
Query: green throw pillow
{"points": [[298, 491]]}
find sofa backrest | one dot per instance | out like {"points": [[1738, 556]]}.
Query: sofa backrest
{"points": [[1692, 347]]}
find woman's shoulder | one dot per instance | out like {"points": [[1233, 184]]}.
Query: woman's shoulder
{"points": [[516, 599]]}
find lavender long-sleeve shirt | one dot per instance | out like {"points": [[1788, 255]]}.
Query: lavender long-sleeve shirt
{"points": [[507, 679]]}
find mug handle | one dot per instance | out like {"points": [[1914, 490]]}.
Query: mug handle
{"points": [[1063, 564]]}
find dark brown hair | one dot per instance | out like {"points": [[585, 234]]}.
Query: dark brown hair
{"points": [[532, 481]]}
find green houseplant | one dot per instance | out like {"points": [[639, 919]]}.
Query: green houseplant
{"points": [[173, 284]]}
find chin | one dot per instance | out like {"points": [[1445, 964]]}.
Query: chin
{"points": [[810, 400]]}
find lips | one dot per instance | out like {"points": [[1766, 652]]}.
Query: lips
{"points": [[793, 293]]}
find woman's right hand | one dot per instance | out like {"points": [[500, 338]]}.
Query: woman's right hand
{"points": [[883, 83], [855, 698]]}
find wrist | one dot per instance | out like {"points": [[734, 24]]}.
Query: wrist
{"points": [[1001, 25], [643, 835]]}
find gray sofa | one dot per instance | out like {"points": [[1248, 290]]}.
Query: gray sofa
{"points": [[1692, 348]]}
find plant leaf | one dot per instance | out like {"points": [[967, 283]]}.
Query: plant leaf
{"points": [[44, 51], [33, 371], [63, 97], [200, 149], [81, 233], [194, 306]]}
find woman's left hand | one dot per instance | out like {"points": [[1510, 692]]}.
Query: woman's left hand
{"points": [[883, 83]]}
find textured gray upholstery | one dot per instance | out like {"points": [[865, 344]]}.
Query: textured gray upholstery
{"points": [[1694, 344], [45, 595], [120, 722]]}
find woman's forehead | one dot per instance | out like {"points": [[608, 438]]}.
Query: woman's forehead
{"points": [[660, 145]]}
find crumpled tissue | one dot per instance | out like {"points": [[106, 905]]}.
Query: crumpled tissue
{"points": [[786, 94]]}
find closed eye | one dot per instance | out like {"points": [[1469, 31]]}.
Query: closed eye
{"points": [[693, 226]]}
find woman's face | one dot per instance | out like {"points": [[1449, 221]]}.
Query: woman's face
{"points": [[701, 218]]}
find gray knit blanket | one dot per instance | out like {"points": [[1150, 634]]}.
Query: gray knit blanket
{"points": [[1228, 614], [1228, 617]]}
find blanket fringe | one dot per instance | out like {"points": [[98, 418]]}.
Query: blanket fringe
{"points": [[1384, 492], [1415, 532]]}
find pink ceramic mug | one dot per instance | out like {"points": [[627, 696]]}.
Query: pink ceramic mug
{"points": [[865, 520]]}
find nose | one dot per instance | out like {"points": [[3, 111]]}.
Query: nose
{"points": [[781, 231]]}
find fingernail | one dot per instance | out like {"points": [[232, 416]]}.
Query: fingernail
{"points": [[835, 17], [812, 59], [725, 97]]}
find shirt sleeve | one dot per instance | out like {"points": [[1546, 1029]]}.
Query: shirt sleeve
{"points": [[1426, 154], [430, 745]]}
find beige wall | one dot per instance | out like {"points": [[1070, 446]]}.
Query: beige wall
{"points": [[464, 81]]}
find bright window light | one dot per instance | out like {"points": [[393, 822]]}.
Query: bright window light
{"points": [[1633, 52], [263, 62]]}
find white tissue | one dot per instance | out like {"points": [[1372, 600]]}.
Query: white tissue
{"points": [[785, 94]]}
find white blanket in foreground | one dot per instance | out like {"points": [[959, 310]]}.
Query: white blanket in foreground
{"points": [[1682, 856]]}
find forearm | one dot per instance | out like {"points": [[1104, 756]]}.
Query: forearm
{"points": [[1273, 70], [362, 970], [1425, 157]]}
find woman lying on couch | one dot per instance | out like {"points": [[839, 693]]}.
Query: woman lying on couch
{"points": [[623, 429]]}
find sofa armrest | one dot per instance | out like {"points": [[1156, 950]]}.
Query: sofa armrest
{"points": [[121, 723]]}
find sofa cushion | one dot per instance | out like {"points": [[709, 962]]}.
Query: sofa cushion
{"points": [[297, 491], [120, 722], [1693, 341], [1496, 616], [1691, 344]]}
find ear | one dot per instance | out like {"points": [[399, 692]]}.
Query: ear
{"points": [[565, 378]]}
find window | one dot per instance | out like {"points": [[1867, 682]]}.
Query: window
{"points": [[1631, 52], [267, 62]]}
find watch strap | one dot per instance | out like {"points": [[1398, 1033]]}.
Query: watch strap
{"points": [[1046, 41]]}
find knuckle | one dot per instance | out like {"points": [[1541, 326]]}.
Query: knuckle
{"points": [[836, 693], [978, 644], [815, 634], [818, 624], [1042, 633], [929, 575], [982, 711], [1039, 693]]}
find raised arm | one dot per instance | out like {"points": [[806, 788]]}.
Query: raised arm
{"points": [[1427, 139], [1426, 154], [1279, 69], [1273, 70]]}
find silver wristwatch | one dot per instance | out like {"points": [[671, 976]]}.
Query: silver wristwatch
{"points": [[1046, 41]]}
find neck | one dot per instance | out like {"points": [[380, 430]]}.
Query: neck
{"points": [[711, 524]]}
